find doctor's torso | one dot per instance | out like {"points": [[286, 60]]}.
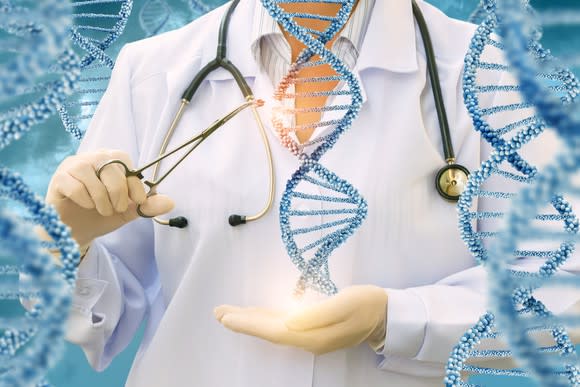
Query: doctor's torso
{"points": [[391, 155]]}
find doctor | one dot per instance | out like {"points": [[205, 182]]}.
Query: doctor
{"points": [[410, 288]]}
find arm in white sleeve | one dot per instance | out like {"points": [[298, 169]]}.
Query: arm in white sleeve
{"points": [[118, 272], [424, 323]]}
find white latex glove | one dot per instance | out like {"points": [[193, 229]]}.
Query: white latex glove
{"points": [[92, 207], [354, 315]]}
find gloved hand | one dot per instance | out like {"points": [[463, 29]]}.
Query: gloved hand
{"points": [[352, 316], [92, 207]]}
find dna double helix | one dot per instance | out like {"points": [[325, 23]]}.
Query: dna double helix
{"points": [[198, 6], [560, 176], [34, 48], [154, 16], [43, 68], [33, 40], [157, 16], [310, 247], [96, 28], [521, 123], [31, 342], [39, 70], [479, 14]]}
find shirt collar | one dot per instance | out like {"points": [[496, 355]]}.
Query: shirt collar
{"points": [[389, 40], [353, 33]]}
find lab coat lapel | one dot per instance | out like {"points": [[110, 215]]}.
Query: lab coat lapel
{"points": [[389, 43]]}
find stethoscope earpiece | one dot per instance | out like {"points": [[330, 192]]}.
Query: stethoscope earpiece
{"points": [[236, 220], [451, 181], [179, 222]]}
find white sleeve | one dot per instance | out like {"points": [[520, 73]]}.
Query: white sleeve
{"points": [[118, 272], [424, 323]]}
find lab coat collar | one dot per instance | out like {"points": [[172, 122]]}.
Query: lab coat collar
{"points": [[390, 39], [389, 42]]}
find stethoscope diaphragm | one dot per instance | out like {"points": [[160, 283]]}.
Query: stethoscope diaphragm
{"points": [[451, 181]]}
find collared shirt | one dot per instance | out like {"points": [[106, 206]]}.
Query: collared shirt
{"points": [[273, 54]]}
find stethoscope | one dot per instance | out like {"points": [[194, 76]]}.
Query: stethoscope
{"points": [[220, 61], [450, 180]]}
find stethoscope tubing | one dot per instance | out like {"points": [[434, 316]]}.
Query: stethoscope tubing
{"points": [[435, 84], [221, 61], [455, 173]]}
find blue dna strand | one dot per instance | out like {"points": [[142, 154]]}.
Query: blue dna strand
{"points": [[157, 16], [479, 14], [154, 16], [98, 24], [34, 48], [34, 38], [39, 70], [199, 6], [560, 176], [31, 341], [344, 209], [508, 123]]}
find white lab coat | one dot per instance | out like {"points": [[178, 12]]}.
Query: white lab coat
{"points": [[173, 278]]}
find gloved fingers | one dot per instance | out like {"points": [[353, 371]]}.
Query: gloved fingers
{"points": [[74, 190], [257, 322], [344, 320], [222, 310], [135, 186], [355, 302], [85, 173], [136, 190], [270, 325], [328, 312], [331, 338], [157, 205], [115, 181]]}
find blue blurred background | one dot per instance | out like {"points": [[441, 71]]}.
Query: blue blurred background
{"points": [[38, 153]]}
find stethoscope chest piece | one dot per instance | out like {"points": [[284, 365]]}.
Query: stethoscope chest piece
{"points": [[451, 181]]}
